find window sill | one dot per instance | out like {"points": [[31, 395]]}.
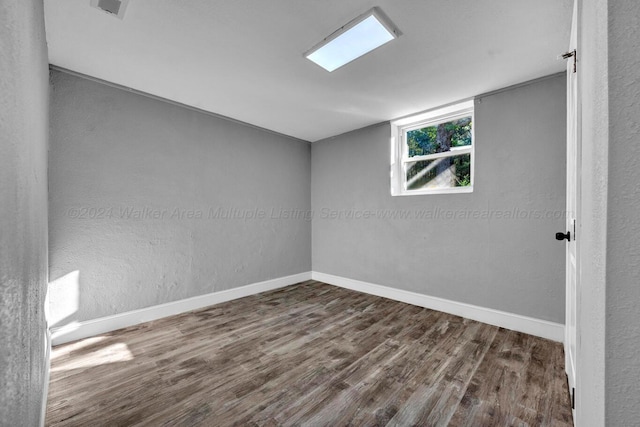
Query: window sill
{"points": [[454, 190]]}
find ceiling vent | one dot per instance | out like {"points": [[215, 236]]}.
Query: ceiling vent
{"points": [[112, 7]]}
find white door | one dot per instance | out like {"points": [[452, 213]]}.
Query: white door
{"points": [[573, 206]]}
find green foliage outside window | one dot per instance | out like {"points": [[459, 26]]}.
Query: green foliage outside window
{"points": [[441, 138]]}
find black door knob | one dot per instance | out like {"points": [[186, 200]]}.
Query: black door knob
{"points": [[562, 236]]}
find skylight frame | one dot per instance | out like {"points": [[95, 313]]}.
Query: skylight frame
{"points": [[121, 10], [377, 13]]}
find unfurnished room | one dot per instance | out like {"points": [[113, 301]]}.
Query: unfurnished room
{"points": [[319, 213]]}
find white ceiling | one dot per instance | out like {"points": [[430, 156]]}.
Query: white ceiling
{"points": [[243, 58]]}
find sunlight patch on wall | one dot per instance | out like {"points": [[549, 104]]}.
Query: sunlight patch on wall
{"points": [[64, 299]]}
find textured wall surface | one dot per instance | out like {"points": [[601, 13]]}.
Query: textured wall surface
{"points": [[510, 264], [623, 220], [592, 78], [152, 202], [23, 211]]}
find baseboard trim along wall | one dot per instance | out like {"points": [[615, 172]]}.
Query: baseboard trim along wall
{"points": [[529, 325], [516, 322], [89, 328], [47, 373]]}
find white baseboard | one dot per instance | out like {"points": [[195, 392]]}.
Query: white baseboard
{"points": [[89, 328], [47, 375], [529, 325], [516, 322]]}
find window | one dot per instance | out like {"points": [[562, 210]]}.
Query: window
{"points": [[432, 152]]}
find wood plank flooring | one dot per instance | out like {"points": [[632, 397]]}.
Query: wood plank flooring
{"points": [[310, 354]]}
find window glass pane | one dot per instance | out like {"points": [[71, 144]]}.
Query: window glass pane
{"points": [[447, 172], [439, 138]]}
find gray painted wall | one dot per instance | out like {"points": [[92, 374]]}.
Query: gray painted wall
{"points": [[592, 78], [609, 327], [23, 211], [623, 219], [514, 265], [130, 177]]}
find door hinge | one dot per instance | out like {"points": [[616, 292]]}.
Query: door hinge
{"points": [[571, 54], [573, 398]]}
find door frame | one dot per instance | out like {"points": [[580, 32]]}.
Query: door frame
{"points": [[573, 214]]}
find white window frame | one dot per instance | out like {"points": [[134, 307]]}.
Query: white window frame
{"points": [[399, 149]]}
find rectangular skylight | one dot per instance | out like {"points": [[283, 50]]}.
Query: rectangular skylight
{"points": [[360, 36]]}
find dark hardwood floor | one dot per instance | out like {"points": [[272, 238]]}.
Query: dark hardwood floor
{"points": [[310, 354]]}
